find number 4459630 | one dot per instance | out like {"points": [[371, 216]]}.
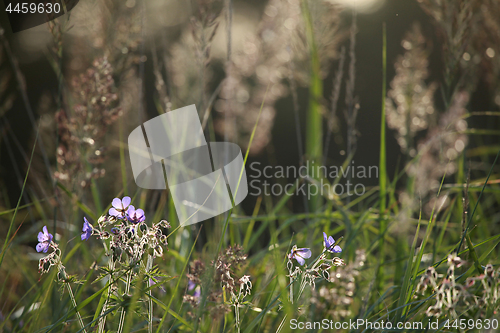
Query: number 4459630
{"points": [[31, 7], [471, 324]]}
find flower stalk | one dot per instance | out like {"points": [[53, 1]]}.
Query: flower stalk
{"points": [[124, 310], [73, 300], [149, 267], [102, 320]]}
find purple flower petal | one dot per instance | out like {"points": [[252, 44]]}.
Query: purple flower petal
{"points": [[41, 247], [44, 240], [126, 202], [191, 285], [87, 229], [41, 237], [330, 244], [300, 260], [135, 216], [114, 212], [120, 206], [304, 253], [117, 203], [197, 292], [300, 254]]}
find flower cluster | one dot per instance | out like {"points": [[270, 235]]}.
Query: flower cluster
{"points": [[454, 299], [226, 281], [128, 231], [489, 301], [319, 268], [336, 300], [45, 242], [54, 258], [123, 209], [83, 129], [128, 238], [196, 271]]}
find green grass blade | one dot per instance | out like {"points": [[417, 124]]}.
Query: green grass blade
{"points": [[473, 254], [404, 294], [477, 202], [6, 242], [314, 122], [177, 285], [382, 163]]}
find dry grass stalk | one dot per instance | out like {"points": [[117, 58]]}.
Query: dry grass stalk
{"points": [[410, 101]]}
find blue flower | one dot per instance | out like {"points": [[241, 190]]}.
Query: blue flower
{"points": [[135, 215], [191, 285], [44, 240], [299, 254], [329, 244], [119, 207], [197, 290], [87, 229], [197, 293]]}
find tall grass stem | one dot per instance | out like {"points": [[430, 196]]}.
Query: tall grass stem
{"points": [[73, 300]]}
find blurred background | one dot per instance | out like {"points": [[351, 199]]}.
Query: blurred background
{"points": [[85, 80], [157, 63]]}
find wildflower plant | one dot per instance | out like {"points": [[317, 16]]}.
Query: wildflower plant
{"points": [[46, 243], [230, 290], [318, 269], [476, 298], [253, 68], [130, 245]]}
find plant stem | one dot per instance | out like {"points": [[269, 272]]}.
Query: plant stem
{"points": [[302, 287], [149, 267], [73, 300], [124, 311], [382, 168], [102, 320], [237, 315]]}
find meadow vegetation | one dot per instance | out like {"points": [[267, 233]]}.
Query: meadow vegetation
{"points": [[83, 249]]}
